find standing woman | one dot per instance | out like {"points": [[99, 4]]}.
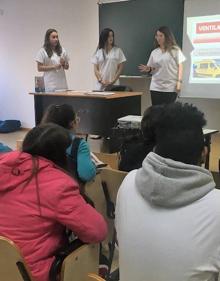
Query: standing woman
{"points": [[165, 65], [108, 61], [53, 60]]}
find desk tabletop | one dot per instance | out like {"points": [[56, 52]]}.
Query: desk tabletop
{"points": [[209, 131], [86, 94]]}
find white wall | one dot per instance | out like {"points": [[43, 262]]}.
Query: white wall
{"points": [[211, 109], [22, 27]]}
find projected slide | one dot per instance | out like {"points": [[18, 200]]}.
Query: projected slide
{"points": [[204, 35]]}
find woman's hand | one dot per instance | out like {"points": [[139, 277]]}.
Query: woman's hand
{"points": [[57, 66], [106, 83], [178, 86], [144, 68], [62, 62]]}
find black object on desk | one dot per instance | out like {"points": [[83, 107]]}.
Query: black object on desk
{"points": [[119, 135]]}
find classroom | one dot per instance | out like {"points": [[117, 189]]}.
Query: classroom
{"points": [[109, 140]]}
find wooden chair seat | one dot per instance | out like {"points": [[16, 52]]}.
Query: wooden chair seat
{"points": [[81, 265], [12, 264]]}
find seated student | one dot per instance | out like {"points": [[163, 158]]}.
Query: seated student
{"points": [[135, 148], [38, 199], [4, 148], [64, 115], [168, 211]]}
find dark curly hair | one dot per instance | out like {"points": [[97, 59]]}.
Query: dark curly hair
{"points": [[179, 134], [47, 45], [149, 123]]}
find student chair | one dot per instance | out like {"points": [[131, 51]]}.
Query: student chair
{"points": [[111, 181], [12, 264], [110, 159], [81, 264], [95, 277], [103, 192], [93, 190]]}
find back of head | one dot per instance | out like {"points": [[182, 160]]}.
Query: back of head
{"points": [[136, 147], [179, 134], [149, 123], [49, 141], [62, 115]]}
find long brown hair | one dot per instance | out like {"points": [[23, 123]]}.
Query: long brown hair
{"points": [[47, 45], [103, 38], [49, 141], [61, 115], [170, 41]]}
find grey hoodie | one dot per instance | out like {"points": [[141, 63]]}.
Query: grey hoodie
{"points": [[168, 223], [171, 184]]}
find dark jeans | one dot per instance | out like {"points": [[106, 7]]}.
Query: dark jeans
{"points": [[158, 98]]}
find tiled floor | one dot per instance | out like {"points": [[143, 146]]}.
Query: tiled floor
{"points": [[10, 139]]}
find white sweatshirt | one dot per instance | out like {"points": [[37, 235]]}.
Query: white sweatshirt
{"points": [[168, 223]]}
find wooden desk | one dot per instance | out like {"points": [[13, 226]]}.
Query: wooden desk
{"points": [[207, 136], [98, 111]]}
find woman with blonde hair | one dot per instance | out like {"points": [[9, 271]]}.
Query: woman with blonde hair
{"points": [[166, 66]]}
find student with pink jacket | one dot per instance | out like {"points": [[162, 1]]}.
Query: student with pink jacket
{"points": [[38, 199]]}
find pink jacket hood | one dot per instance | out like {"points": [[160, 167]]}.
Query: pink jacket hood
{"points": [[35, 217], [16, 169]]}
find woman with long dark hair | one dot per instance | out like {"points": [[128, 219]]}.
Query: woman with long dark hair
{"points": [[38, 200], [166, 66], [82, 166], [53, 60], [108, 61]]}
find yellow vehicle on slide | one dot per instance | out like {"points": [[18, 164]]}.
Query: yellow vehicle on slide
{"points": [[207, 68]]}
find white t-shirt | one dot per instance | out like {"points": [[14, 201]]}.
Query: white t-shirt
{"points": [[108, 64], [53, 79], [166, 64]]}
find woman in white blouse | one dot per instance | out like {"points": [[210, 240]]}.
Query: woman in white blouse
{"points": [[166, 66], [108, 61], [53, 60]]}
